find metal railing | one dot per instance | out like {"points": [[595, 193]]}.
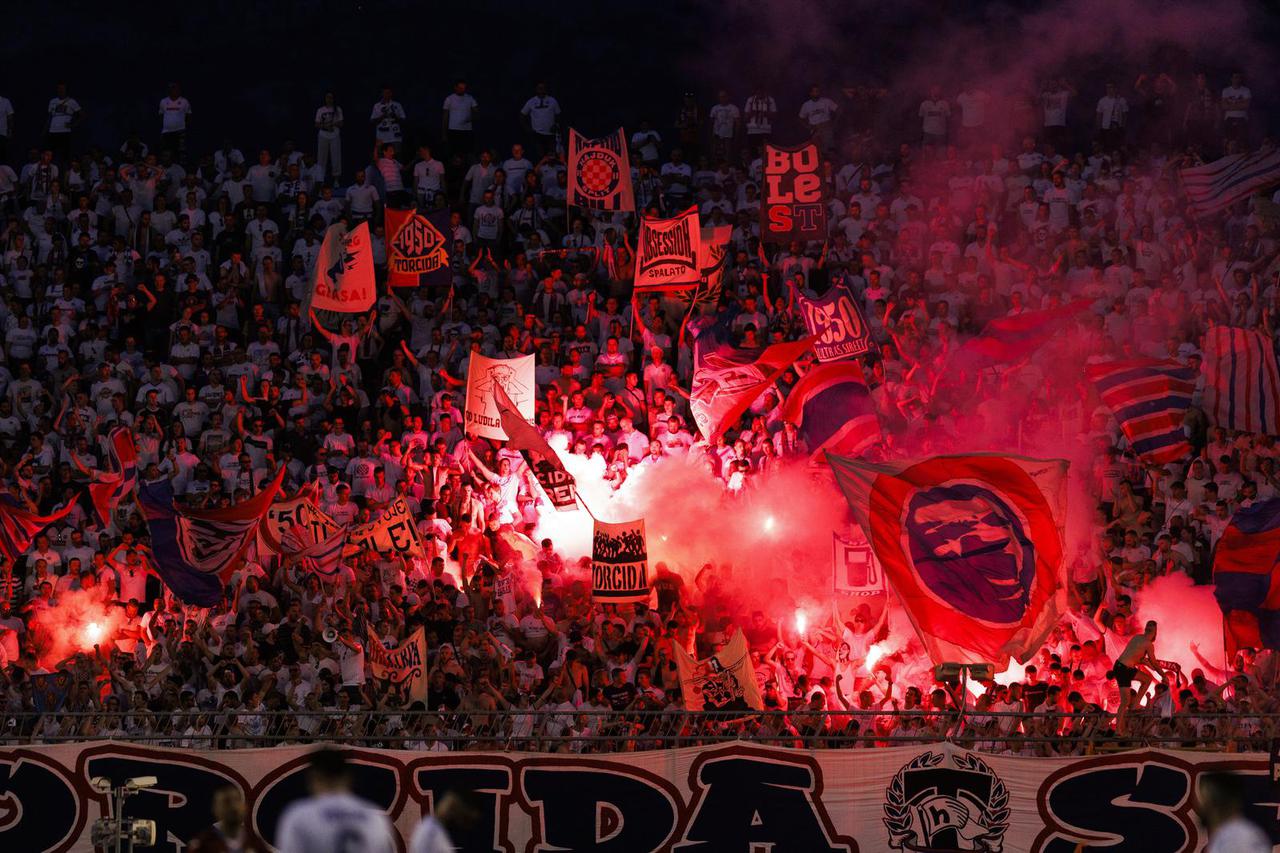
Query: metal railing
{"points": [[552, 730]]}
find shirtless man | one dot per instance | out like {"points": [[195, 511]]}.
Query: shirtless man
{"points": [[1139, 652]]}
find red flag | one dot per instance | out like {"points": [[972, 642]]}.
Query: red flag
{"points": [[972, 544]]}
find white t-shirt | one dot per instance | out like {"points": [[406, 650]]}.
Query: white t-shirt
{"points": [[1111, 111], [351, 662], [724, 118], [816, 111], [328, 118], [61, 111], [430, 837], [542, 113], [389, 115], [334, 823], [174, 112], [1239, 836], [1055, 108], [1238, 99], [973, 108], [459, 108], [933, 117]]}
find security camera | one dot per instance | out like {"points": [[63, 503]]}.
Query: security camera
{"points": [[140, 783], [100, 784], [143, 833]]}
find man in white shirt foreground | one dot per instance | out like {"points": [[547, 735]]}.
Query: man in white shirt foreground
{"points": [[457, 812], [1220, 809], [332, 819]]}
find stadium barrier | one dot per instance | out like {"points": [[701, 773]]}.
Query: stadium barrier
{"points": [[737, 795]]}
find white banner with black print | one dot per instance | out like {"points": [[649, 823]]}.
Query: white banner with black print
{"points": [[735, 797]]}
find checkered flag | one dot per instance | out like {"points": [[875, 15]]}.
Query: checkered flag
{"points": [[600, 172]]}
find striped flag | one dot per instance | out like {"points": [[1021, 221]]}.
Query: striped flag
{"points": [[1246, 577], [196, 551], [324, 556], [19, 526], [728, 379], [1229, 179], [832, 408], [1149, 398], [1006, 340], [109, 488], [1242, 385]]}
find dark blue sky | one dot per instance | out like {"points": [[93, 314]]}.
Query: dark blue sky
{"points": [[260, 68]]}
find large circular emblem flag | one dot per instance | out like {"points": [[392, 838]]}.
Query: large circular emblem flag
{"points": [[972, 544], [969, 547], [598, 173]]}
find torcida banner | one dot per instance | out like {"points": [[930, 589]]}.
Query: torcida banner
{"points": [[733, 798]]}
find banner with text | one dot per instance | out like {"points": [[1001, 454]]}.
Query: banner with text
{"points": [[392, 531], [344, 278], [794, 206], [619, 563], [403, 669], [418, 248], [733, 797], [836, 322], [667, 252], [600, 172], [514, 376]]}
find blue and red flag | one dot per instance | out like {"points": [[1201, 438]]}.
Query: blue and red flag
{"points": [[196, 551], [832, 408], [728, 379], [972, 544], [1246, 574], [18, 526], [1006, 340], [1149, 398], [1242, 381], [110, 487]]}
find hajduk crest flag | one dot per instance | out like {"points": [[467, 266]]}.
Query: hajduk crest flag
{"points": [[972, 544], [418, 248], [555, 480], [836, 322], [725, 681], [402, 669], [514, 375], [794, 207], [344, 277], [393, 530], [667, 252], [600, 172], [619, 563]]}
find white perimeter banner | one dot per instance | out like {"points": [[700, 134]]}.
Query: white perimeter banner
{"points": [[735, 798]]}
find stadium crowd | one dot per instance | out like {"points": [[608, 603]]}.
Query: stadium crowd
{"points": [[161, 288]]}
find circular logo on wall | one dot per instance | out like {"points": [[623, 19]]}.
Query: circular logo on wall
{"points": [[938, 806]]}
